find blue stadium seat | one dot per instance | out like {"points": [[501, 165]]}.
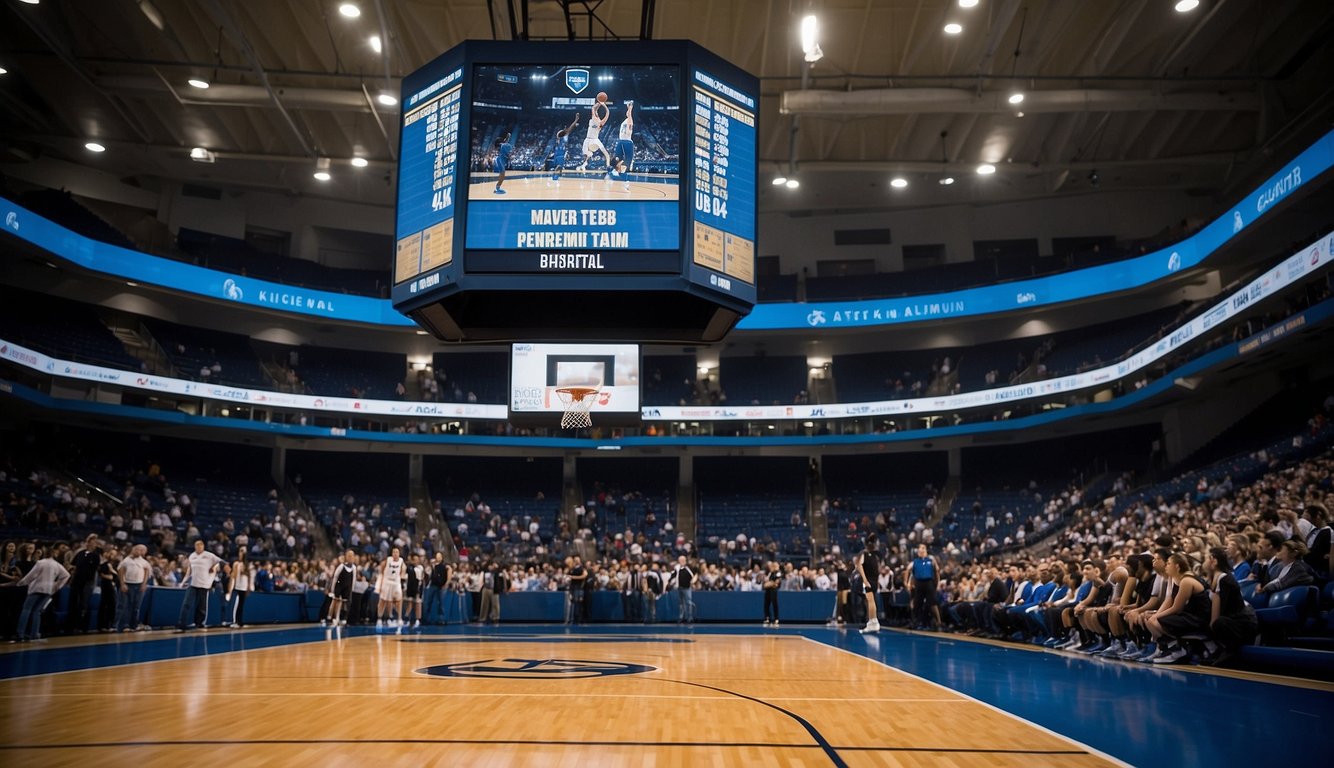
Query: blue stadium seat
{"points": [[1287, 610], [1250, 592]]}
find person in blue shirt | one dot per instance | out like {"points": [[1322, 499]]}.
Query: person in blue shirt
{"points": [[501, 161], [923, 576], [562, 145]]}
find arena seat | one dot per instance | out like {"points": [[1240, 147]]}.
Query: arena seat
{"points": [[1287, 610], [1250, 592]]}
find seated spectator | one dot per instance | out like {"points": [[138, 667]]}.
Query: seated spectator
{"points": [[1289, 569], [1232, 620]]}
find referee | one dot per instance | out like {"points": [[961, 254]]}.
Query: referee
{"points": [[923, 575]]}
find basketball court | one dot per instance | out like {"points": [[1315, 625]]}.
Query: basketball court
{"points": [[554, 695]]}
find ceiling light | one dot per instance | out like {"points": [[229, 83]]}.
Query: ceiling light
{"points": [[387, 99], [131, 283], [899, 183], [421, 333], [948, 180], [986, 169], [953, 28], [810, 39], [322, 176], [201, 155], [967, 3], [792, 183], [375, 44], [349, 10], [3, 71], [1186, 6], [780, 181], [322, 169], [93, 146], [1016, 98], [360, 162], [30, 2], [197, 83]]}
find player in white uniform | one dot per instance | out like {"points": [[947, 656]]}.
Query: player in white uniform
{"points": [[625, 145], [390, 587], [593, 143]]}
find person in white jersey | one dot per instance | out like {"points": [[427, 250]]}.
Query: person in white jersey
{"points": [[135, 572], [203, 566], [390, 587], [243, 581], [593, 142], [625, 145]]}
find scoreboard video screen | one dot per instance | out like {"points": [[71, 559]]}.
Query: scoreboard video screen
{"points": [[575, 168], [623, 173]]}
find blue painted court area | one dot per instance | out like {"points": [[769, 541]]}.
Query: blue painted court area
{"points": [[1142, 715]]}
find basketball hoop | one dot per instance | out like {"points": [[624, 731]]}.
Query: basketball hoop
{"points": [[577, 402]]}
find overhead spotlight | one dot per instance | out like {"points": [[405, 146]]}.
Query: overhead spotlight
{"points": [[1017, 97], [387, 99], [376, 45], [792, 183], [349, 10], [30, 2], [92, 146], [1018, 114], [322, 169], [360, 162], [986, 169], [967, 3], [1093, 177], [953, 28], [898, 182], [948, 180], [1186, 6], [3, 71], [780, 181], [810, 39], [131, 283], [202, 155], [197, 83]]}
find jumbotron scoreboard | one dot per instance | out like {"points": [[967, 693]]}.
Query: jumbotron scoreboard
{"points": [[588, 191]]}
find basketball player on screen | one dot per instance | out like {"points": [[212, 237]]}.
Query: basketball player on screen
{"points": [[390, 588], [593, 142], [625, 145], [562, 144], [868, 567], [501, 161]]}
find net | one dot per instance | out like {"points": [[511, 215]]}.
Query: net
{"points": [[577, 401]]}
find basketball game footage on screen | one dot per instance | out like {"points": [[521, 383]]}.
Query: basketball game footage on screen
{"points": [[575, 159]]}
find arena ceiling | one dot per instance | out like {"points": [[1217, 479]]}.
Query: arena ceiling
{"points": [[1119, 94]]}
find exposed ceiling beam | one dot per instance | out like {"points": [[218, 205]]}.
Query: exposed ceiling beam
{"points": [[904, 101], [917, 166], [224, 19]]}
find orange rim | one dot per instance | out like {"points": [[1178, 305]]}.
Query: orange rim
{"points": [[577, 393]]}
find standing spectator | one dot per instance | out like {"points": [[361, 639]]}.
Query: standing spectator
{"points": [[109, 584], [241, 584], [134, 575], [772, 581], [436, 585], [203, 565], [44, 580], [85, 565], [683, 580]]}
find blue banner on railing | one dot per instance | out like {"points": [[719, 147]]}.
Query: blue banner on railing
{"points": [[1053, 289]]}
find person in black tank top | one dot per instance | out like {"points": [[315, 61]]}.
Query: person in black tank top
{"points": [[1188, 614], [868, 567]]}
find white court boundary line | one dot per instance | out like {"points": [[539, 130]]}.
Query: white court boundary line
{"points": [[994, 708]]}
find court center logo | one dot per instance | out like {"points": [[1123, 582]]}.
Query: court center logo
{"points": [[536, 669], [576, 80]]}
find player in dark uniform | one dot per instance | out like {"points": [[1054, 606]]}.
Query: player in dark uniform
{"points": [[562, 144], [343, 576], [412, 595], [868, 567], [842, 588], [501, 161]]}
